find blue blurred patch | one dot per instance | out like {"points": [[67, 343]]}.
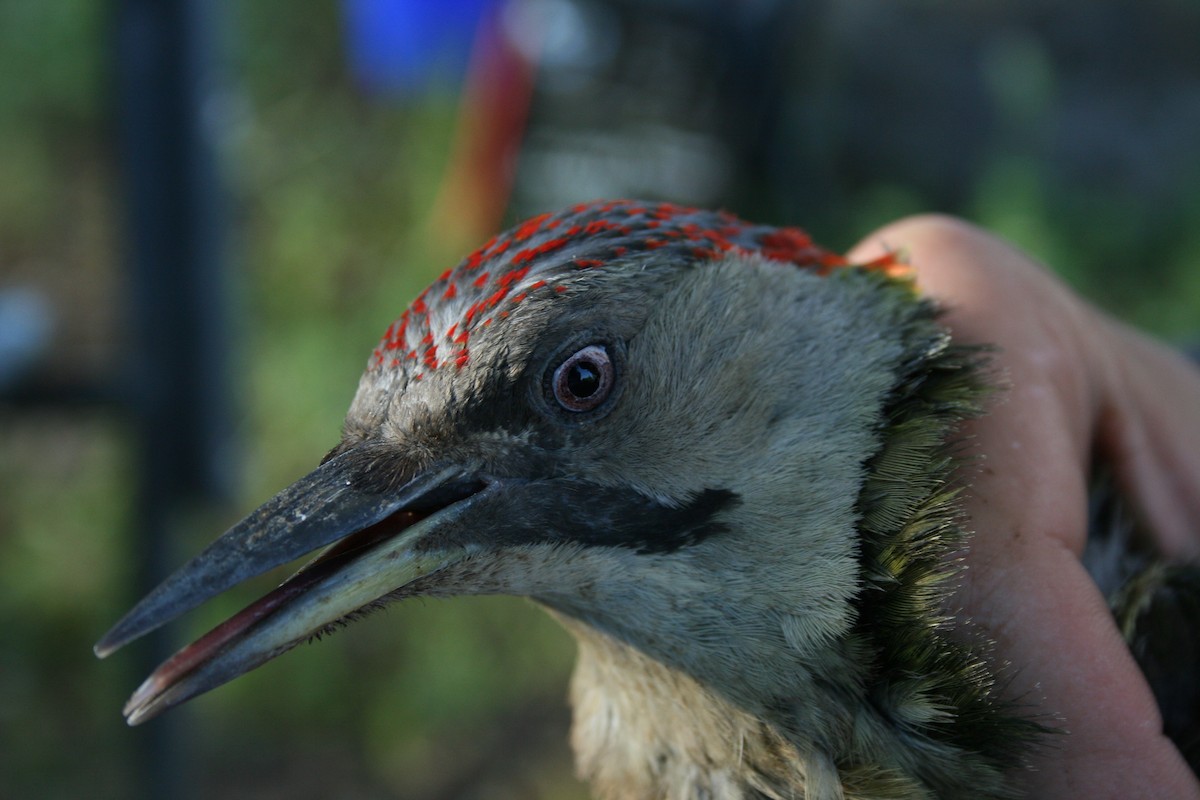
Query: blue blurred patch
{"points": [[26, 328], [401, 46]]}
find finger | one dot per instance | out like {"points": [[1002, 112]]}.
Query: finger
{"points": [[1024, 586], [1149, 430]]}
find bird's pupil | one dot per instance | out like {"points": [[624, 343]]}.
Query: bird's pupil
{"points": [[583, 380]]}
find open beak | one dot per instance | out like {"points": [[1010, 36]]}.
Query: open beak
{"points": [[375, 537]]}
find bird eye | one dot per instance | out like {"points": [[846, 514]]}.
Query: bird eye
{"points": [[584, 380]]}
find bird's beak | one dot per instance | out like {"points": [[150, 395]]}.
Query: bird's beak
{"points": [[377, 548]]}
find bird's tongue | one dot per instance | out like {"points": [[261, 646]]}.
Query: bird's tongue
{"points": [[211, 644]]}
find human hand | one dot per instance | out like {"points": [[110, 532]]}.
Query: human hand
{"points": [[1077, 385]]}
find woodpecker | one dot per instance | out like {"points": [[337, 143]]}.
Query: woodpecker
{"points": [[719, 454]]}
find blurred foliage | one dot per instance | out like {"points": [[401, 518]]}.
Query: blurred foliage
{"points": [[430, 700]]}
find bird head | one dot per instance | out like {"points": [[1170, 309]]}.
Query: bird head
{"points": [[696, 436]]}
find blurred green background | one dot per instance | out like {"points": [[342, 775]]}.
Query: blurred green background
{"points": [[1074, 133]]}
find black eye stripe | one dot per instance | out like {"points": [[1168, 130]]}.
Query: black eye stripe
{"points": [[584, 380]]}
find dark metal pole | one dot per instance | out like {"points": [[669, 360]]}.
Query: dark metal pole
{"points": [[169, 100]]}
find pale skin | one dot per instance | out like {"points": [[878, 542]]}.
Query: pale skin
{"points": [[1078, 383]]}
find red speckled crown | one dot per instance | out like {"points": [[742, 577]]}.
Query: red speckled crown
{"points": [[538, 254]]}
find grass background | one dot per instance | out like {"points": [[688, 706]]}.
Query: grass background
{"points": [[334, 234]]}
